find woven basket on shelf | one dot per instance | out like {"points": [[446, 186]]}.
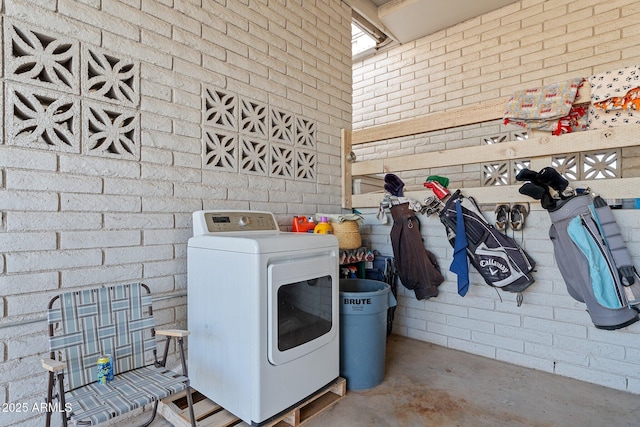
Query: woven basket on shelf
{"points": [[348, 234]]}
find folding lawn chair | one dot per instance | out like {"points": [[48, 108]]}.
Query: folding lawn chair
{"points": [[115, 320]]}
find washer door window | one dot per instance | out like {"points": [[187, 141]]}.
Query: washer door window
{"points": [[302, 307]]}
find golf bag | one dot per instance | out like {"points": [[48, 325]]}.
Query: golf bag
{"points": [[417, 267], [594, 261], [384, 270], [497, 257]]}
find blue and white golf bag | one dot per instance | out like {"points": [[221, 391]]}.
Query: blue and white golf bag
{"points": [[594, 261]]}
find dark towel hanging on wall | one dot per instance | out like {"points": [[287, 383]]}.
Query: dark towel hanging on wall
{"points": [[417, 267]]}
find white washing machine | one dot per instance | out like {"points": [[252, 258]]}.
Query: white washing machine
{"points": [[262, 312]]}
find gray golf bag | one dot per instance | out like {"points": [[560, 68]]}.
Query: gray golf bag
{"points": [[594, 261]]}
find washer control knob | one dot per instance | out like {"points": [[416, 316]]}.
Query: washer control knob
{"points": [[244, 221]]}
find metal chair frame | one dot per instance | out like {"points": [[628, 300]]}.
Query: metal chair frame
{"points": [[81, 377]]}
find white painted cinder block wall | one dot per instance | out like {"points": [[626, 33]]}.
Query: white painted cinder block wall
{"points": [[526, 44], [79, 212]]}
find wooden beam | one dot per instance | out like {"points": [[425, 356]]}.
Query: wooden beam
{"points": [[491, 110], [539, 149], [620, 188], [345, 165], [461, 116], [624, 136]]}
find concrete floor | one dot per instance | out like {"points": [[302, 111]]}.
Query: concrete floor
{"points": [[428, 385]]}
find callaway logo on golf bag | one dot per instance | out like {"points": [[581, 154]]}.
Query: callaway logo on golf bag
{"points": [[496, 256], [494, 265]]}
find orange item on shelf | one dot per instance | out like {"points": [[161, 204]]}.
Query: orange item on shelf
{"points": [[301, 224]]}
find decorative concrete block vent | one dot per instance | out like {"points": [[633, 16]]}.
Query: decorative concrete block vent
{"points": [[248, 136], [57, 96], [108, 78], [41, 118], [220, 150], [110, 130], [282, 126], [253, 118], [306, 162], [42, 111], [589, 165], [282, 158], [306, 158], [305, 133], [581, 166], [503, 173], [220, 109], [254, 155], [282, 133], [220, 133], [42, 59]]}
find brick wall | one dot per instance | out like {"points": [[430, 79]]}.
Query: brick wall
{"points": [[526, 44], [148, 111]]}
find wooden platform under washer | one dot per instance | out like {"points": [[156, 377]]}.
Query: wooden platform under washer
{"points": [[210, 414]]}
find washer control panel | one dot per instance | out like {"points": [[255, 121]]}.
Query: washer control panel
{"points": [[205, 222]]}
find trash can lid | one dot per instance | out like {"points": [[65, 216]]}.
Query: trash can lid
{"points": [[363, 285]]}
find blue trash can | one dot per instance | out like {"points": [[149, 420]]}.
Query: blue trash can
{"points": [[363, 331]]}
